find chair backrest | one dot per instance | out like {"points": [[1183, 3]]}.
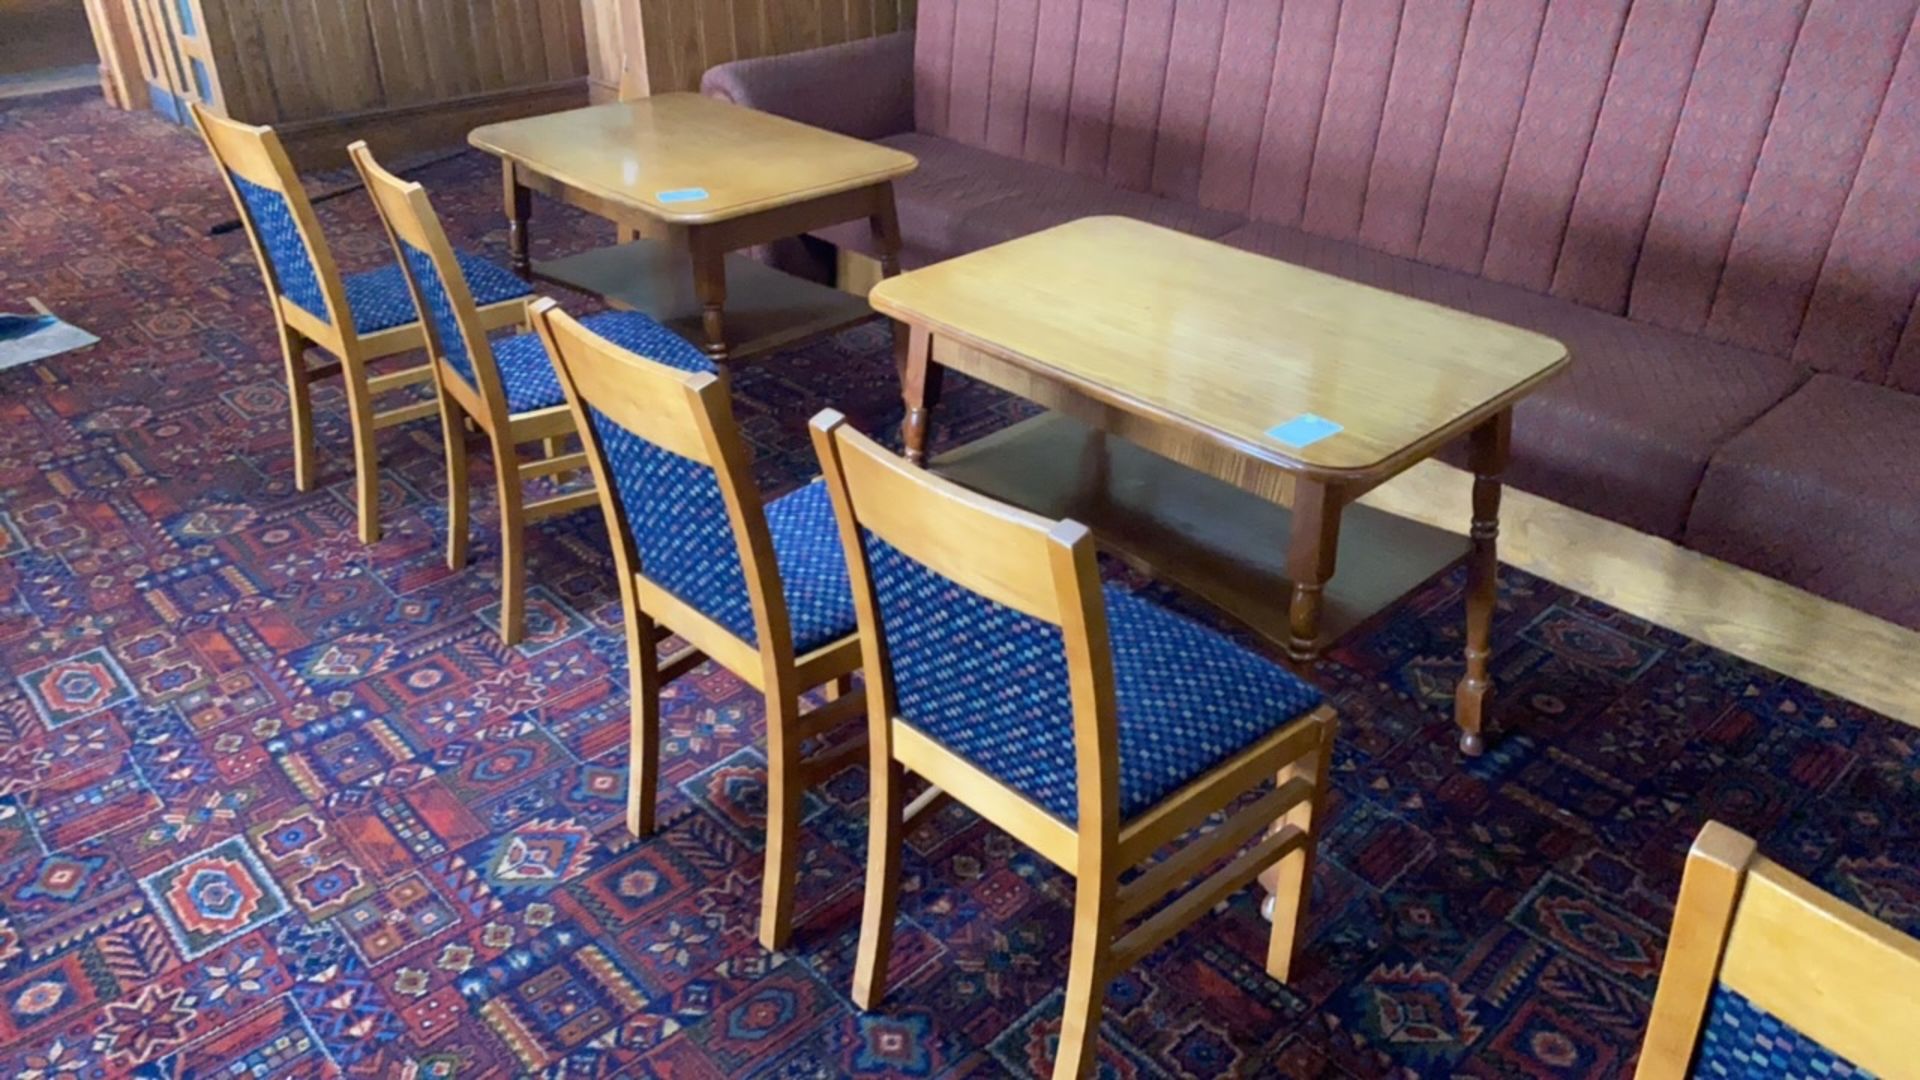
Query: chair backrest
{"points": [[455, 334], [1766, 975], [676, 485], [973, 609], [279, 220]]}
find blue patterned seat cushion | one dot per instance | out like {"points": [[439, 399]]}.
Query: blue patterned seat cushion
{"points": [[813, 567], [990, 683], [379, 298], [677, 517], [380, 301], [527, 375], [1742, 1041]]}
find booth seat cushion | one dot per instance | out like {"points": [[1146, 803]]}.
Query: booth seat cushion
{"points": [[1821, 492], [1627, 430], [961, 199]]}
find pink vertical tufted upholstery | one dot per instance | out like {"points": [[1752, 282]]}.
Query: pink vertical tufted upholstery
{"points": [[1726, 168], [1556, 128], [1871, 274]]}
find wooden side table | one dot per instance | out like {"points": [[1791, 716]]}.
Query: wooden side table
{"points": [[1216, 414], [690, 181]]}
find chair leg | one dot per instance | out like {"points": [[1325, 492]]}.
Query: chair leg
{"points": [[1293, 875], [366, 450], [643, 736], [454, 433], [884, 839], [300, 402], [513, 539], [785, 791], [1086, 977]]}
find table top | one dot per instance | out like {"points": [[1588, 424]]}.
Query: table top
{"points": [[1228, 344], [710, 159]]}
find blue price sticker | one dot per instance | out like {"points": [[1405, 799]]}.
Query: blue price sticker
{"points": [[685, 194], [1304, 430]]}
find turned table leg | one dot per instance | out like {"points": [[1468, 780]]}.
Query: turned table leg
{"points": [[519, 206], [1310, 558], [1487, 459], [710, 287], [885, 224], [920, 380]]}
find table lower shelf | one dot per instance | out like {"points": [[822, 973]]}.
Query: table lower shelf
{"points": [[765, 308], [1195, 532]]}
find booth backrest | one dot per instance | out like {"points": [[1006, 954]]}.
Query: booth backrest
{"points": [[1742, 169]]}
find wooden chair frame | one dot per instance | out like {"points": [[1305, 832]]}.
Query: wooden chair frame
{"points": [[409, 218], [256, 154], [1827, 969], [1046, 570], [690, 414]]}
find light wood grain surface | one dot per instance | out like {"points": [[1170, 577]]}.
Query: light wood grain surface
{"points": [[1827, 969], [1228, 344], [744, 161]]}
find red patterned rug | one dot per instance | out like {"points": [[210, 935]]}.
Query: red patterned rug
{"points": [[274, 803]]}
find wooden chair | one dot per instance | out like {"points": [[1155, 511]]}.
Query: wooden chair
{"points": [[1766, 975], [507, 388], [763, 592], [360, 318], [1090, 724]]}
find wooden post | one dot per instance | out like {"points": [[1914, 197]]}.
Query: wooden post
{"points": [[115, 37], [1488, 454]]}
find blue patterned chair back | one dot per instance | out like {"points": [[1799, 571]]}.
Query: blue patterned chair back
{"points": [[454, 331], [1766, 975], [980, 609], [273, 207], [436, 291], [667, 456]]}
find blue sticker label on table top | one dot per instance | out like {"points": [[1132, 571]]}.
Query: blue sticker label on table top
{"points": [[685, 194], [1304, 430]]}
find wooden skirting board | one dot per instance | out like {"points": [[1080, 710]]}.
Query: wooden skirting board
{"points": [[1761, 620], [1757, 618], [322, 143]]}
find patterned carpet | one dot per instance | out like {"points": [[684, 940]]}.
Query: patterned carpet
{"points": [[273, 803]]}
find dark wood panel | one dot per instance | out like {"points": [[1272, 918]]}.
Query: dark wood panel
{"points": [[296, 60], [683, 38]]}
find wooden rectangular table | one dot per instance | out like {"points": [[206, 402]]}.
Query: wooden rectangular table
{"points": [[690, 180], [1203, 361]]}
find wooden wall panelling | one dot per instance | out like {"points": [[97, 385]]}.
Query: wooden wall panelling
{"points": [[311, 59], [199, 74], [160, 59], [676, 41], [116, 35], [400, 73], [616, 52]]}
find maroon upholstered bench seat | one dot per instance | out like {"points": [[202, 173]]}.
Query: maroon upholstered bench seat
{"points": [[1821, 492], [962, 199]]}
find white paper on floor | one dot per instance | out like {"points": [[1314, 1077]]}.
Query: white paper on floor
{"points": [[36, 336]]}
